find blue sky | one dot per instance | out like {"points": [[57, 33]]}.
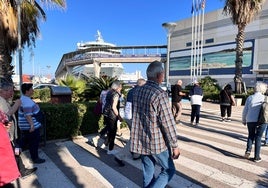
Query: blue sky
{"points": [[121, 22]]}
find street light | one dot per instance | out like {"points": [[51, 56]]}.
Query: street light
{"points": [[169, 26], [19, 2]]}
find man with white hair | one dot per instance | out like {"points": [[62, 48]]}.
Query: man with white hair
{"points": [[6, 93], [177, 95]]}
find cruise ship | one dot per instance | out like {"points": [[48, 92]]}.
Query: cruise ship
{"points": [[106, 69]]}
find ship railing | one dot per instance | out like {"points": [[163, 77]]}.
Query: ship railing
{"points": [[91, 56]]}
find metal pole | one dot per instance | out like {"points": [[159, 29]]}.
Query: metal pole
{"points": [[19, 41], [169, 28]]}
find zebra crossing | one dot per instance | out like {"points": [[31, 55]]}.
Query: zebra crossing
{"points": [[211, 156]]}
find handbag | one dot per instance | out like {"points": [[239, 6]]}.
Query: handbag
{"points": [[231, 99]]}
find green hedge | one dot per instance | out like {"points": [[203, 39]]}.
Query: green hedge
{"points": [[69, 120]]}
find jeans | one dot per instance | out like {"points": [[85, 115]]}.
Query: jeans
{"points": [[167, 169], [255, 134], [195, 113], [266, 135]]}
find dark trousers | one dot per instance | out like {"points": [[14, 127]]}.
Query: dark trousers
{"points": [[195, 114], [175, 109], [112, 128], [225, 108], [32, 139]]}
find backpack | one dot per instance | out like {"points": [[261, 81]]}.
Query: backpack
{"points": [[263, 114]]}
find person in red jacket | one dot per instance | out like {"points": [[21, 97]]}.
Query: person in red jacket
{"points": [[8, 167]]}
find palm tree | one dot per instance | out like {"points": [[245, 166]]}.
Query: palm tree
{"points": [[31, 13], [242, 12], [96, 85], [77, 86]]}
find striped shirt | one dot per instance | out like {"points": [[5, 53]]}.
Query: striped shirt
{"points": [[28, 107], [153, 128]]}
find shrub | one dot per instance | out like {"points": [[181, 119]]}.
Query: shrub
{"points": [[69, 120]]}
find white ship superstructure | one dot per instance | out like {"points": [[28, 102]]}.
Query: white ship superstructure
{"points": [[106, 69]]}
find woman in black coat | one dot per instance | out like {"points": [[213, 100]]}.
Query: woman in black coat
{"points": [[226, 102]]}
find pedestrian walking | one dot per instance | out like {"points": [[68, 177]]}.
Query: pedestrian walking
{"points": [[226, 102], [196, 96], [128, 119], [250, 118], [111, 113], [177, 94], [153, 130], [28, 124], [6, 94]]}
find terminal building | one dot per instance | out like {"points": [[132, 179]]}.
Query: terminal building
{"points": [[218, 52]]}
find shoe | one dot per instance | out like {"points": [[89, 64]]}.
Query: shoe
{"points": [[112, 152], [196, 124], [39, 161], [228, 119], [192, 123], [136, 158], [257, 160], [247, 154], [178, 122], [28, 172], [103, 146], [95, 141], [265, 144], [119, 161], [222, 119]]}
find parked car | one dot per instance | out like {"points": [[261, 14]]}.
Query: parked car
{"points": [[44, 85]]}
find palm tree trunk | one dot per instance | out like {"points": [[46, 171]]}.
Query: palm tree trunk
{"points": [[239, 60], [6, 69]]}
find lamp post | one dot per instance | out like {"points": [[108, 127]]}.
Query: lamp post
{"points": [[19, 2], [169, 26]]}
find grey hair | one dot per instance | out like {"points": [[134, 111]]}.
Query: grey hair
{"points": [[116, 84], [6, 85], [154, 69], [141, 81], [261, 87]]}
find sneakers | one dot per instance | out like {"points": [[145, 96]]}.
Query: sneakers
{"points": [[257, 160], [95, 141], [247, 154], [112, 152], [228, 120], [192, 123], [120, 162], [178, 122], [196, 124], [39, 161], [103, 146], [27, 172]]}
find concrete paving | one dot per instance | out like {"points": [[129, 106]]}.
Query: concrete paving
{"points": [[211, 156]]}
